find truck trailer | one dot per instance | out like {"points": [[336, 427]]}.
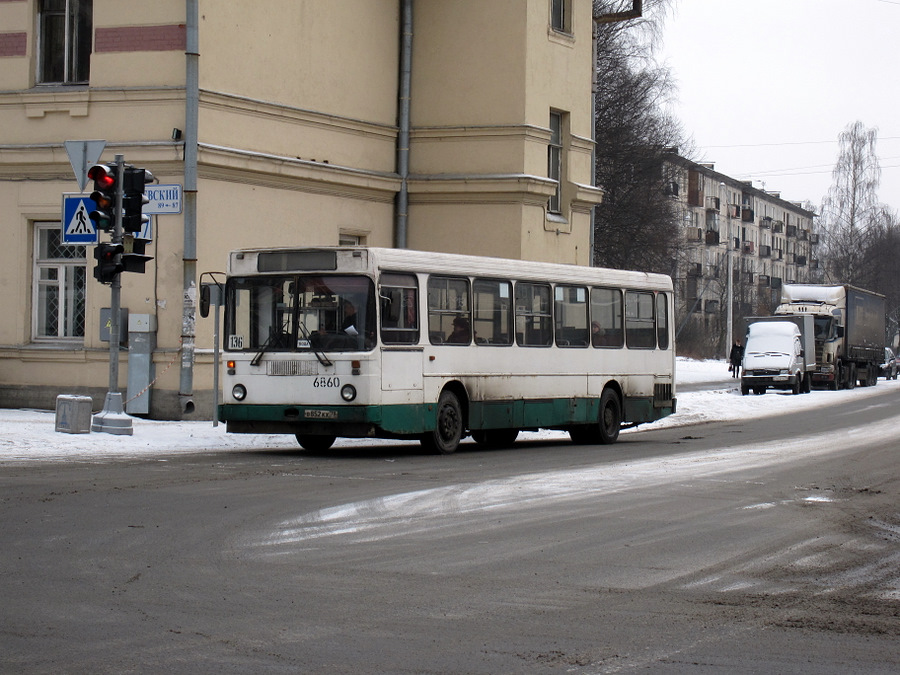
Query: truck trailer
{"points": [[849, 331]]}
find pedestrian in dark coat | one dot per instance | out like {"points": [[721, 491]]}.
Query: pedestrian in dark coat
{"points": [[736, 358]]}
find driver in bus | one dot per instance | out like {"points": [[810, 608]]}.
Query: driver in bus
{"points": [[348, 325]]}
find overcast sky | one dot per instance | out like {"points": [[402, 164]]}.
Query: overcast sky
{"points": [[766, 86]]}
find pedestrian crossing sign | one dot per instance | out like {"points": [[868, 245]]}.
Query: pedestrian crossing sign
{"points": [[77, 227]]}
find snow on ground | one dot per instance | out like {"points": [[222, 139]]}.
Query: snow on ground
{"points": [[29, 435]]}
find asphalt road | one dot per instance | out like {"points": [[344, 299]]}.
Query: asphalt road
{"points": [[771, 546]]}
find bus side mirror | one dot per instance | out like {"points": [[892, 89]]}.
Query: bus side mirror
{"points": [[205, 294]]}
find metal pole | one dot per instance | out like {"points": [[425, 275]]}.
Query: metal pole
{"points": [[115, 302], [401, 234], [216, 356], [189, 256], [729, 316], [112, 419]]}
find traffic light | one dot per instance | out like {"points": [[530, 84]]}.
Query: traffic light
{"points": [[109, 262], [133, 199], [134, 260], [104, 195]]}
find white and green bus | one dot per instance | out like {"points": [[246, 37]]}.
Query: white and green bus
{"points": [[393, 343]]}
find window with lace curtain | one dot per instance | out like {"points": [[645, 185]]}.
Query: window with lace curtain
{"points": [[60, 273]]}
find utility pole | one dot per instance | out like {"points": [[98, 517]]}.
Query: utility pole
{"points": [[729, 314]]}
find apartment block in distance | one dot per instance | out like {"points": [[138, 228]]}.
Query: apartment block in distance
{"points": [[771, 241]]}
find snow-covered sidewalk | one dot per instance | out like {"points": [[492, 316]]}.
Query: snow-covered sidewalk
{"points": [[30, 435]]}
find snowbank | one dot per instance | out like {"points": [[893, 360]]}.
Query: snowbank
{"points": [[29, 435]]}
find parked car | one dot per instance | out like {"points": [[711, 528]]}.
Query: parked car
{"points": [[888, 369]]}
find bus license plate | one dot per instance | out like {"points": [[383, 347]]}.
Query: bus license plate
{"points": [[321, 414]]}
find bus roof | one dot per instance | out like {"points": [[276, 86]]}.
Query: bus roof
{"points": [[409, 260]]}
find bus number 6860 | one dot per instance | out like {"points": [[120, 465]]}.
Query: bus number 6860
{"points": [[326, 382]]}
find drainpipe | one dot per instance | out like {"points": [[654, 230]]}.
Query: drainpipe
{"points": [[189, 256], [593, 217], [402, 204]]}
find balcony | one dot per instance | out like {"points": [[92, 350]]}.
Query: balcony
{"points": [[712, 203], [762, 280], [813, 238], [801, 260], [695, 269], [775, 282], [765, 222], [694, 234], [765, 251], [747, 215], [712, 238], [748, 247], [712, 306], [791, 231], [777, 226]]}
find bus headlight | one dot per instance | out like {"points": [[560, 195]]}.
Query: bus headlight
{"points": [[348, 392], [239, 392]]}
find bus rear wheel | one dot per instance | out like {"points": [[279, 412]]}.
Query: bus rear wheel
{"points": [[495, 438], [315, 443], [448, 428], [610, 417], [606, 430]]}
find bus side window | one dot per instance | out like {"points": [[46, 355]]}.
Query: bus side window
{"points": [[640, 331], [399, 309], [606, 318], [534, 320], [449, 318], [571, 312], [662, 321], [492, 311]]}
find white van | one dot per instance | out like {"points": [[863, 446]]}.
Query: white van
{"points": [[773, 357]]}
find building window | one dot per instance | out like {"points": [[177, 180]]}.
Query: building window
{"points": [[554, 159], [351, 239], [560, 15], [59, 286], [65, 33]]}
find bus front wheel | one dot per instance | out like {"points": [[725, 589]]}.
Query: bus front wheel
{"points": [[315, 443], [448, 428]]}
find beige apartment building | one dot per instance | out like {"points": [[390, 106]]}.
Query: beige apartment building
{"points": [[448, 125], [770, 241]]}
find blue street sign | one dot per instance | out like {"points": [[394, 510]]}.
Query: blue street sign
{"points": [[77, 227]]}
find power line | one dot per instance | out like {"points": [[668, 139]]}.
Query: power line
{"points": [[776, 145]]}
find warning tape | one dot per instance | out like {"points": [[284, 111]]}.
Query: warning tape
{"points": [[147, 388]]}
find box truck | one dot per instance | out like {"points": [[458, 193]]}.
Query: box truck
{"points": [[849, 331]]}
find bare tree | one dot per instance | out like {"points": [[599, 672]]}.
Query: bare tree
{"points": [[636, 225], [882, 265], [850, 211]]}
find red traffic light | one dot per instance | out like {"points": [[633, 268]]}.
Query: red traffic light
{"points": [[103, 175]]}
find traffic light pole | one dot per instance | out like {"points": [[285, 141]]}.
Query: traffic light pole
{"points": [[112, 419]]}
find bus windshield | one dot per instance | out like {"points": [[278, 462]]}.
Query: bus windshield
{"points": [[289, 313]]}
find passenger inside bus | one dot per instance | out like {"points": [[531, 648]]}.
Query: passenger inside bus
{"points": [[461, 332]]}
